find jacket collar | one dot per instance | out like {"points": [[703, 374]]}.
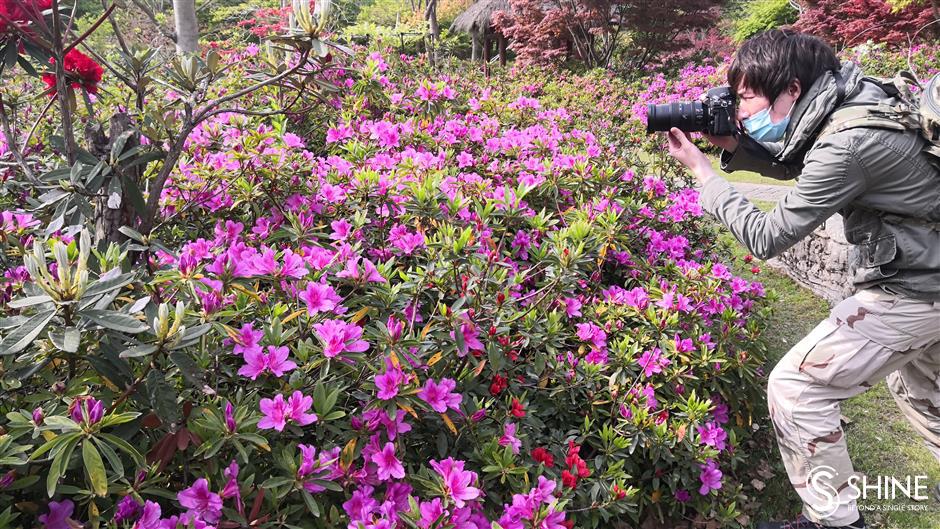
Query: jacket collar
{"points": [[812, 110]]}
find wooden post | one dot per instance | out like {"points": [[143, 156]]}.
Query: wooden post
{"points": [[486, 54], [502, 49], [475, 39]]}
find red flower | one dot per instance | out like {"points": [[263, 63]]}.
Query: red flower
{"points": [[543, 456], [498, 385], [755, 270], [517, 410], [618, 492], [82, 71], [568, 479]]}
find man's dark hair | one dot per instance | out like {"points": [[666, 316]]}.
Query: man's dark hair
{"points": [[769, 61]]}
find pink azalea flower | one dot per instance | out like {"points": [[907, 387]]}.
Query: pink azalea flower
{"points": [[59, 516], [456, 480], [201, 502], [320, 297], [509, 437], [652, 362], [340, 337], [712, 435], [368, 274], [389, 381], [440, 396], [471, 341], [389, 465], [248, 339], [278, 412], [430, 512], [150, 517], [341, 229], [683, 345], [275, 361], [710, 477], [293, 141], [572, 307]]}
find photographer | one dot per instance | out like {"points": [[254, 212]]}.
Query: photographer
{"points": [[887, 189]]}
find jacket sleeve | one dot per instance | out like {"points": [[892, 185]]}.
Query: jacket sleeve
{"points": [[831, 179]]}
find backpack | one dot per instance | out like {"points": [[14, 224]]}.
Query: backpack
{"points": [[921, 113]]}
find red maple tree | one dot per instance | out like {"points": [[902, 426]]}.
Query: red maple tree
{"points": [[849, 22], [595, 31]]}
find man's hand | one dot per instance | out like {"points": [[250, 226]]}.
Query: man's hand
{"points": [[681, 148], [728, 143]]}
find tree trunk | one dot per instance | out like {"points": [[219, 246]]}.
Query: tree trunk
{"points": [[502, 49], [115, 208], [935, 4], [430, 14], [475, 39], [187, 29]]}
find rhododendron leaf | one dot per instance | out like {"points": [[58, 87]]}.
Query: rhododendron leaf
{"points": [[113, 459], [29, 301], [138, 351], [94, 468], [60, 462], [123, 446], [116, 321], [277, 481], [20, 338], [435, 359], [312, 504], [188, 368]]}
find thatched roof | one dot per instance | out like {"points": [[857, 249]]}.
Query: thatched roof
{"points": [[479, 16]]}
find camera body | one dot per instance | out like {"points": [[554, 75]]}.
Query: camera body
{"points": [[714, 114]]}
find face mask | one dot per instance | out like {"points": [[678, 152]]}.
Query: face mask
{"points": [[761, 128]]}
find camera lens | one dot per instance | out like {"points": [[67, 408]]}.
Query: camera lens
{"points": [[688, 116]]}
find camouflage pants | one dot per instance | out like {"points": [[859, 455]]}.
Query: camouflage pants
{"points": [[867, 337]]}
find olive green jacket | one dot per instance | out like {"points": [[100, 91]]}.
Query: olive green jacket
{"points": [[885, 187]]}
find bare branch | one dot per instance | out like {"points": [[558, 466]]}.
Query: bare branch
{"points": [[11, 142]]}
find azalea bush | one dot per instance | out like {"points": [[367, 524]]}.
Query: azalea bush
{"points": [[461, 302]]}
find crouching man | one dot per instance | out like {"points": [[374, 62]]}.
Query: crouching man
{"points": [[788, 85]]}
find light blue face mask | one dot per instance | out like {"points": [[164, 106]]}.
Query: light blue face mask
{"points": [[761, 128]]}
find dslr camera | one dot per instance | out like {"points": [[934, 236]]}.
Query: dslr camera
{"points": [[714, 114]]}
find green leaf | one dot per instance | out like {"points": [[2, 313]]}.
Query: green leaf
{"points": [[116, 321], [113, 459], [58, 422], [94, 468], [191, 372], [53, 443], [59, 464], [19, 339], [124, 446], [22, 303], [312, 505], [276, 482], [138, 351], [104, 285]]}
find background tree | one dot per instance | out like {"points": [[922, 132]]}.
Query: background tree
{"points": [[594, 31], [761, 15], [187, 28], [847, 23]]}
